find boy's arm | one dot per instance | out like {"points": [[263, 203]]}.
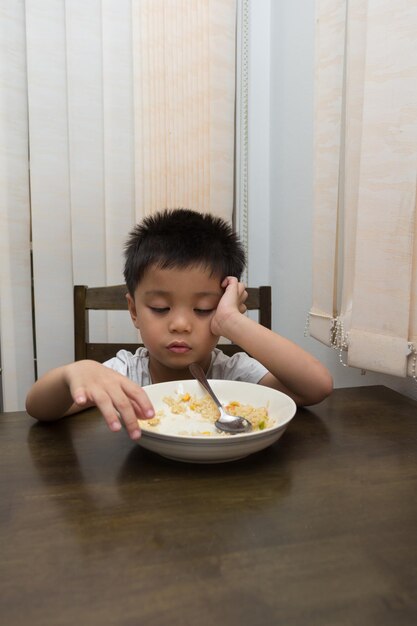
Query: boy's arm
{"points": [[77, 386], [291, 369]]}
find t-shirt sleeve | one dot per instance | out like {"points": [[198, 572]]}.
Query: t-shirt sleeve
{"points": [[133, 366], [119, 363], [240, 366]]}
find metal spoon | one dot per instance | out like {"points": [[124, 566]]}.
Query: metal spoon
{"points": [[229, 423]]}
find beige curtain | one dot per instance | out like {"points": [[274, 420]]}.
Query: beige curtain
{"points": [[131, 109], [365, 237], [16, 344], [184, 104]]}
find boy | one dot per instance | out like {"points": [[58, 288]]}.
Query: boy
{"points": [[182, 271]]}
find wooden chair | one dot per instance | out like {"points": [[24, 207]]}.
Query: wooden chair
{"points": [[114, 299]]}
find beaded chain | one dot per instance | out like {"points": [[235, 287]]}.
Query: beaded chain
{"points": [[242, 146], [339, 341], [413, 351], [307, 326], [338, 338]]}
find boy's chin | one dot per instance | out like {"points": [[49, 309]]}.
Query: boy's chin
{"points": [[182, 363]]}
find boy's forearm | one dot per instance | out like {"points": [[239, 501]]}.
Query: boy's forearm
{"points": [[307, 378], [50, 397]]}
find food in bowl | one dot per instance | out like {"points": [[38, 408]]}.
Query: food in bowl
{"points": [[191, 406]]}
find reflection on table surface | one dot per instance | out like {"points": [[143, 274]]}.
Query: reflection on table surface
{"points": [[317, 529]]}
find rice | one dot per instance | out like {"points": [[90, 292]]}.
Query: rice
{"points": [[182, 405]]}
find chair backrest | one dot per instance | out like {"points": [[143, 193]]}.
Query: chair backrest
{"points": [[114, 299]]}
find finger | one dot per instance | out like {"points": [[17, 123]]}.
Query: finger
{"points": [[243, 294], [114, 404], [140, 414], [242, 308], [143, 406], [108, 411], [79, 395], [128, 414], [229, 280]]}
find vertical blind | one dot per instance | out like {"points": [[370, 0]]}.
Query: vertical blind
{"points": [[365, 232], [184, 104], [131, 109], [15, 279]]}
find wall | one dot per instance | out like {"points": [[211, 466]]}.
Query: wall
{"points": [[281, 174]]}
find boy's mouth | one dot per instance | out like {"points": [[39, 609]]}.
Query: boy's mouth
{"points": [[179, 347]]}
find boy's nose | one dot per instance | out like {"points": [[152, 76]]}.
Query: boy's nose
{"points": [[179, 322]]}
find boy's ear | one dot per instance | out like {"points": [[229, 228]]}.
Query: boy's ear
{"points": [[132, 310]]}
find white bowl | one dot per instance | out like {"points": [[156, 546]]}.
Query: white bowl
{"points": [[169, 438]]}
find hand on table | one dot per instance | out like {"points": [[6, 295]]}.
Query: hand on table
{"points": [[91, 383]]}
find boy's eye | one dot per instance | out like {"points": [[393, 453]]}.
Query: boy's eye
{"points": [[203, 311], [159, 309]]}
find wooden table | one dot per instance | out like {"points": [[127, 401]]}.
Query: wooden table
{"points": [[319, 529]]}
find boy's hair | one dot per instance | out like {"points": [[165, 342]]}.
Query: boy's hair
{"points": [[182, 238]]}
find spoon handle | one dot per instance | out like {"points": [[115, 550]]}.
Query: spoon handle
{"points": [[232, 424], [199, 374]]}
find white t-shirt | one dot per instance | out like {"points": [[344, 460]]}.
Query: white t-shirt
{"points": [[240, 366]]}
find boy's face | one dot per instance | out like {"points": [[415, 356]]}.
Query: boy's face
{"points": [[173, 309]]}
